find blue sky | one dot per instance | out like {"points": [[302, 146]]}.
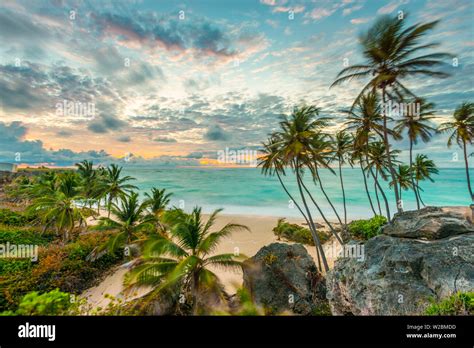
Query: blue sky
{"points": [[176, 81]]}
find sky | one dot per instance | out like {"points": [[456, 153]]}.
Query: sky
{"points": [[174, 82]]}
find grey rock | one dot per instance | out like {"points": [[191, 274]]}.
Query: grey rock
{"points": [[431, 223], [399, 276], [283, 277]]}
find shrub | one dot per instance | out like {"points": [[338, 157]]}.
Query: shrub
{"points": [[54, 302], [461, 303], [366, 229], [12, 218], [297, 233]]}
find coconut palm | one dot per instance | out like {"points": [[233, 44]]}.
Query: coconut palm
{"points": [[423, 169], [88, 175], [156, 201], [389, 50], [58, 206], [377, 160], [403, 179], [418, 126], [182, 260], [462, 132], [115, 186], [342, 146], [129, 218]]}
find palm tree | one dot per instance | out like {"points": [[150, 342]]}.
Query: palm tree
{"points": [[129, 218], [298, 145], [156, 202], [377, 159], [88, 180], [365, 120], [462, 131], [342, 146], [182, 260], [417, 126], [389, 50], [58, 206], [403, 179], [115, 186], [423, 169]]}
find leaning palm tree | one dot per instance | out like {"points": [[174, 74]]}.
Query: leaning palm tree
{"points": [[403, 179], [389, 50], [418, 126], [423, 169], [462, 132], [182, 260], [129, 219], [342, 146], [58, 207], [115, 185], [377, 160]]}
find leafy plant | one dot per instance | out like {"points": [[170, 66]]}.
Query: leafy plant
{"points": [[54, 302], [297, 233], [461, 303], [366, 229]]}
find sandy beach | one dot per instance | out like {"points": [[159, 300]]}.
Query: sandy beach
{"points": [[244, 242]]}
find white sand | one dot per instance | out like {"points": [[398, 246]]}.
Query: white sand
{"points": [[243, 242]]}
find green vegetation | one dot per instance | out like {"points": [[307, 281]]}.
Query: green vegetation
{"points": [[12, 218], [366, 229], [54, 302], [461, 303], [297, 233]]}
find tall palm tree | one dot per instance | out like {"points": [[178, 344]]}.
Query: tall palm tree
{"points": [[389, 50], [88, 180], [129, 218], [462, 132], [182, 260], [403, 178], [365, 120], [377, 160], [423, 169], [342, 146], [58, 206], [418, 126], [115, 185]]}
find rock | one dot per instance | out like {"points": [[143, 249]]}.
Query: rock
{"points": [[398, 276], [283, 277], [431, 223]]}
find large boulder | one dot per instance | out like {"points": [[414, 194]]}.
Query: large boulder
{"points": [[431, 223], [283, 277], [399, 276]]}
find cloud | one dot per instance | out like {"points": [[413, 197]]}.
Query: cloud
{"points": [[124, 139], [165, 140], [349, 10], [319, 13], [215, 133], [360, 20], [390, 7], [106, 123], [12, 144]]}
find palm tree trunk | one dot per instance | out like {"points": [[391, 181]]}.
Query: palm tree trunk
{"points": [[333, 231], [366, 186], [467, 169], [343, 193], [387, 206], [327, 197], [376, 189], [419, 193], [300, 210], [412, 176], [387, 150], [313, 230]]}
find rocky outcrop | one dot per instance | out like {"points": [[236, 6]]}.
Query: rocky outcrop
{"points": [[283, 277], [422, 255], [431, 223]]}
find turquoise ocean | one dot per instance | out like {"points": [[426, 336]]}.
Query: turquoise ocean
{"points": [[246, 191]]}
